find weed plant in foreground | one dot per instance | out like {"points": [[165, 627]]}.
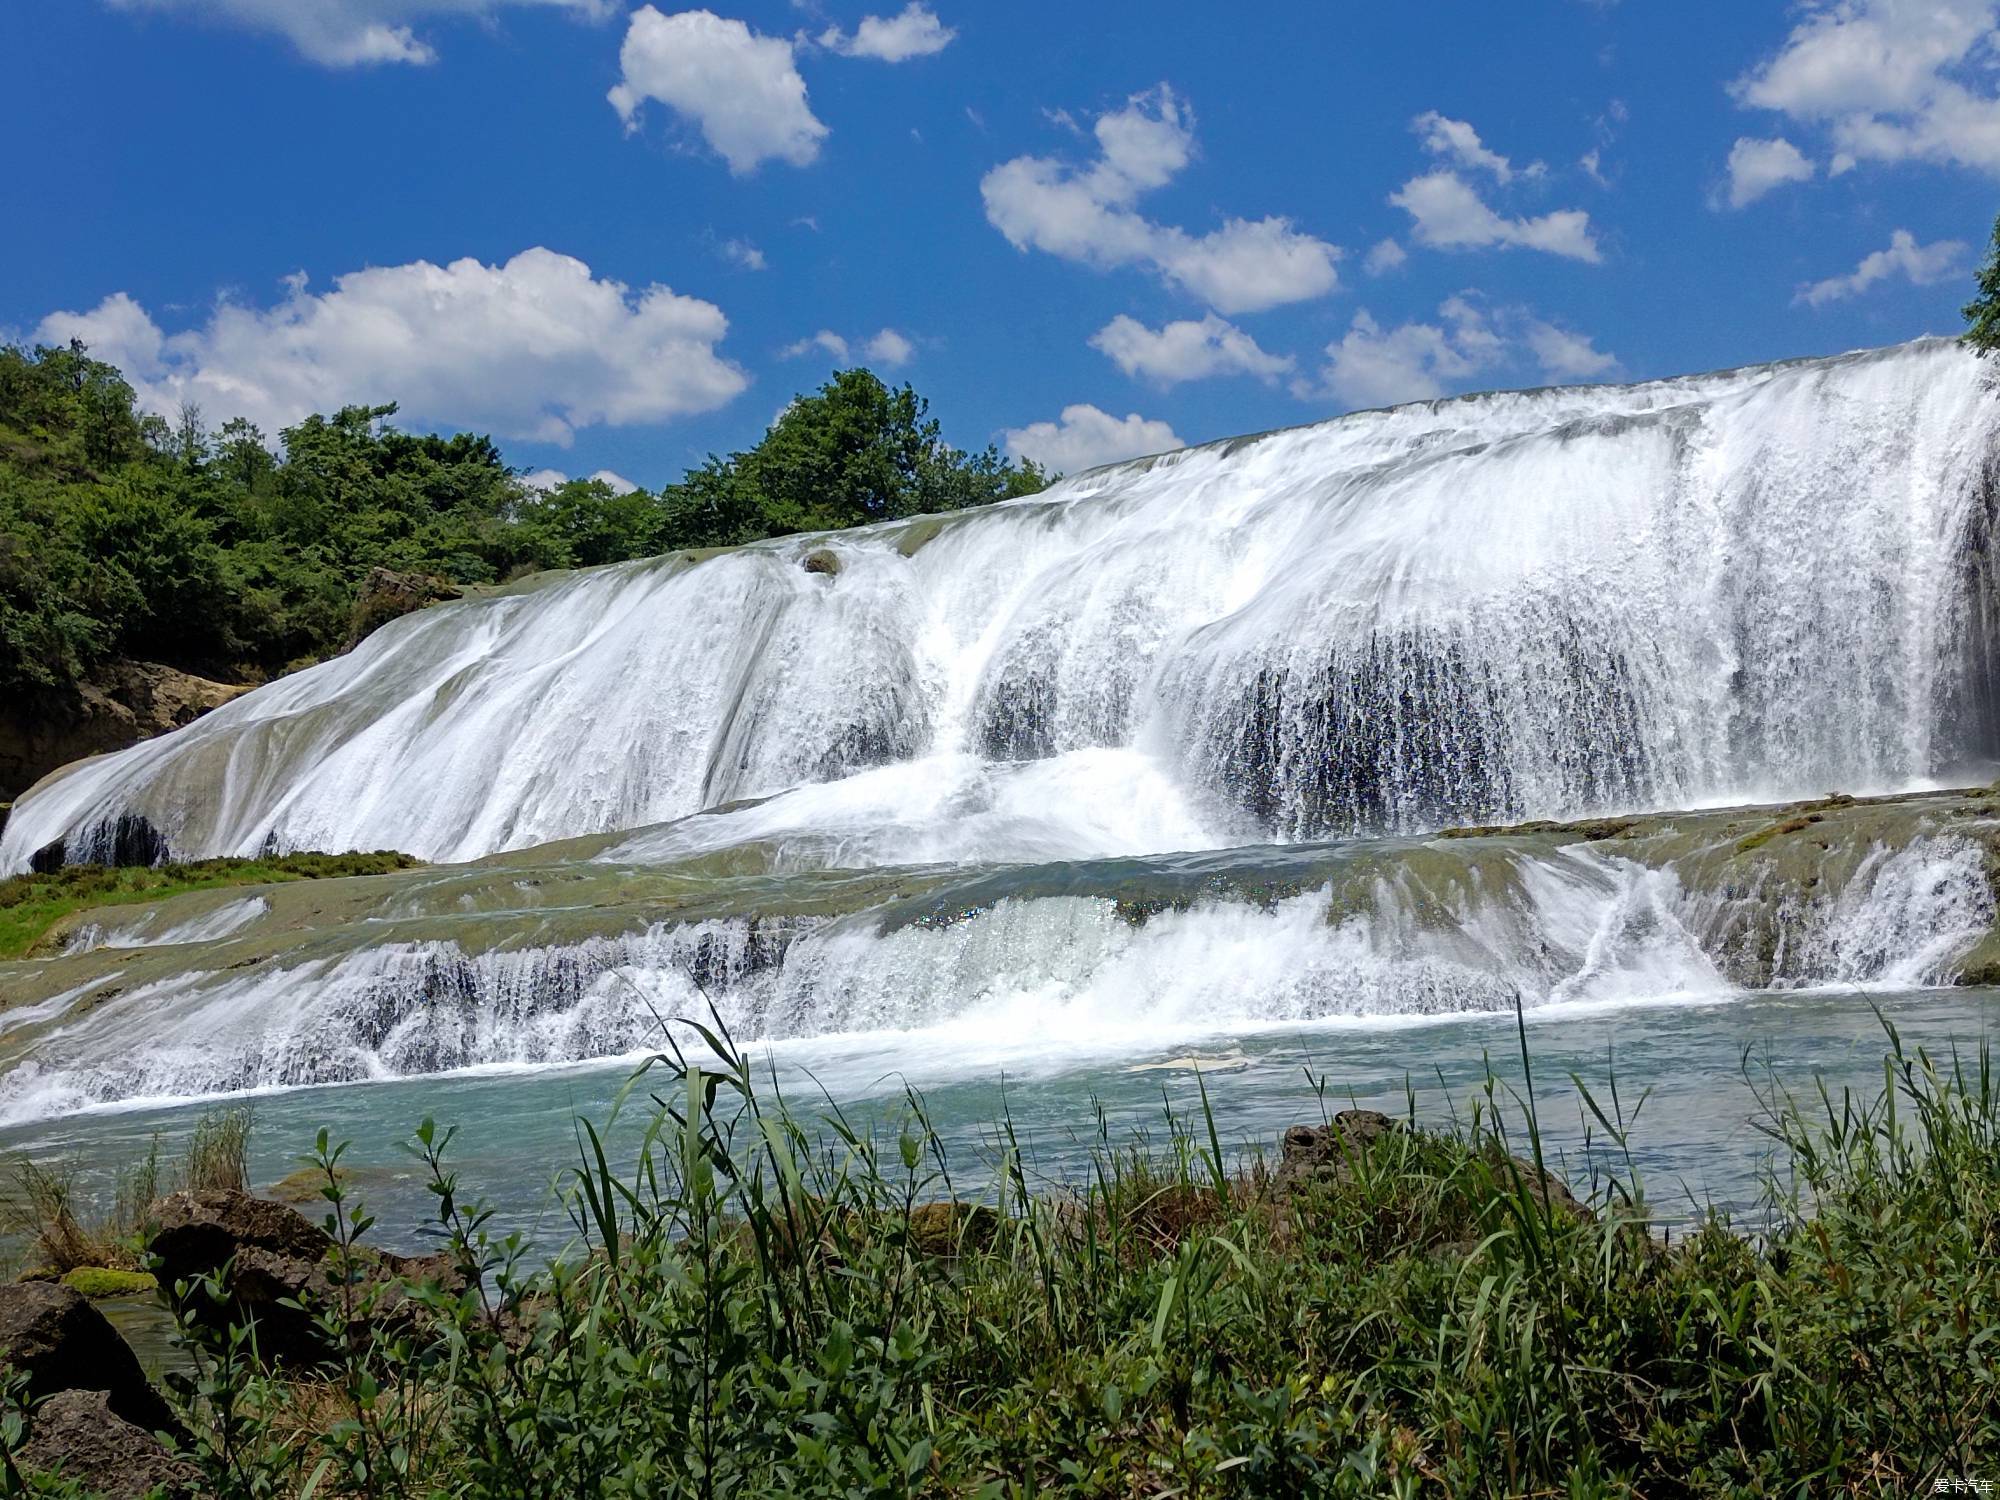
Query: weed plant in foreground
{"points": [[760, 1307]]}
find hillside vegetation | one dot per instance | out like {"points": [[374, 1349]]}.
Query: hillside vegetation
{"points": [[217, 552]]}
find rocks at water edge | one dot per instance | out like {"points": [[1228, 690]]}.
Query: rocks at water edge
{"points": [[78, 1434], [1328, 1152], [62, 1343], [279, 1271], [92, 1414]]}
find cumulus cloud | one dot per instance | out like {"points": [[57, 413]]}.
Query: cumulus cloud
{"points": [[1085, 437], [352, 33], [1421, 361], [1448, 213], [741, 90], [1384, 257], [1564, 355], [554, 479], [887, 347], [1187, 350], [826, 341], [1088, 214], [534, 348], [1923, 265], [914, 31], [1460, 142], [1756, 167], [743, 253], [1889, 80]]}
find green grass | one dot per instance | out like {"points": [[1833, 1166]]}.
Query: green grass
{"points": [[760, 1307], [52, 1223], [32, 904]]}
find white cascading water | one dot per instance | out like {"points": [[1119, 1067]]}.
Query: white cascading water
{"points": [[1749, 586], [1741, 586], [1009, 984]]}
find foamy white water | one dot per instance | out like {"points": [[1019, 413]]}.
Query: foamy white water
{"points": [[1023, 980], [1748, 585]]}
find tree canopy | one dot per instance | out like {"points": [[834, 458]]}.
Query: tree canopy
{"points": [[1982, 313], [125, 534]]}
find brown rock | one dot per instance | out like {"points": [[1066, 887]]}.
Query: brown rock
{"points": [[278, 1272], [62, 1343], [822, 560], [385, 595], [123, 703], [79, 1435], [1310, 1151]]}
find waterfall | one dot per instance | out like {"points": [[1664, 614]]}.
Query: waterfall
{"points": [[1757, 584], [1075, 966]]}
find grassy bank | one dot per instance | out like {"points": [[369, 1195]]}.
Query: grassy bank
{"points": [[32, 904], [760, 1310]]}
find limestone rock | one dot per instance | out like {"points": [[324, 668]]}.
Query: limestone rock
{"points": [[386, 594], [80, 1435], [62, 1343], [278, 1257], [123, 703]]}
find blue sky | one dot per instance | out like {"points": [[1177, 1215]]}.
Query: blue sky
{"points": [[619, 238]]}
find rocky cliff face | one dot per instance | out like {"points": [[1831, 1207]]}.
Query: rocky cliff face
{"points": [[126, 702]]}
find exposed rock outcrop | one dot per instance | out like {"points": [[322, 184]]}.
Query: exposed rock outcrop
{"points": [[279, 1271], [62, 1343], [123, 702], [79, 1434], [385, 595]]}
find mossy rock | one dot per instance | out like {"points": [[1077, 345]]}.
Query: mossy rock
{"points": [[305, 1185], [103, 1281]]}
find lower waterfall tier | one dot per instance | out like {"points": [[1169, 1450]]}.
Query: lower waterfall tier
{"points": [[576, 951]]}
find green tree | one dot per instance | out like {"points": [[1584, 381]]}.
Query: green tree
{"points": [[122, 533], [1982, 313]]}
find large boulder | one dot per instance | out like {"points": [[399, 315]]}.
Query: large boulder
{"points": [[80, 1435], [62, 1343], [279, 1272]]}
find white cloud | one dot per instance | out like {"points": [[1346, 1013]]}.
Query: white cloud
{"points": [[554, 479], [1377, 366], [1756, 167], [915, 31], [889, 348], [1922, 264], [742, 91], [743, 253], [1449, 214], [1421, 361], [1889, 80], [1564, 355], [1186, 350], [353, 33], [1384, 257], [1086, 214], [534, 348], [1086, 437], [825, 340], [1459, 141]]}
